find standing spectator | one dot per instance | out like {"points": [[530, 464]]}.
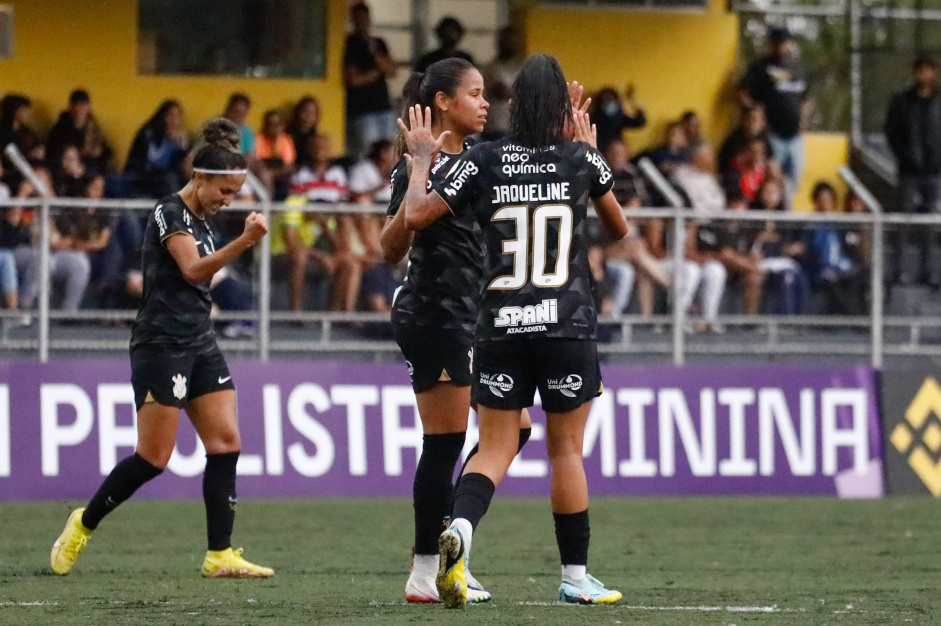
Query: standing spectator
{"points": [[498, 80], [778, 82], [838, 276], [698, 180], [673, 152], [16, 118], [367, 66], [369, 179], [913, 128], [692, 128], [154, 164], [752, 125], [449, 32], [77, 126], [305, 118], [274, 148], [611, 116], [236, 111]]}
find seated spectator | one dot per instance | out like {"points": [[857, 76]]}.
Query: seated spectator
{"points": [[705, 244], [612, 117], [305, 117], [377, 293], [629, 182], [231, 293], [837, 275], [9, 279], [736, 252], [116, 276], [318, 178], [69, 179], [154, 164], [74, 234], [369, 179], [749, 169], [16, 118], [752, 125], [698, 180], [673, 153], [780, 253], [236, 111], [275, 151], [692, 128], [78, 127], [449, 33], [689, 274]]}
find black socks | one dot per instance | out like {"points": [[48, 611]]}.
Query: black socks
{"points": [[432, 488], [219, 496], [126, 477], [472, 498], [572, 533], [524, 437]]}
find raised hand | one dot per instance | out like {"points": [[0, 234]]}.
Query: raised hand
{"points": [[255, 227], [584, 130], [419, 137]]}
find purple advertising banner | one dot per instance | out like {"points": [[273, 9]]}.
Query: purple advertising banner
{"points": [[339, 429]]}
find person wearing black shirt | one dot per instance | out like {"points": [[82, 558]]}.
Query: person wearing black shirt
{"points": [[536, 321], [175, 362], [367, 66], [913, 129], [779, 84], [449, 32], [435, 308], [77, 126]]}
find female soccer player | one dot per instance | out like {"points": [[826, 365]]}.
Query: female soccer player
{"points": [[434, 310], [536, 323], [175, 362]]}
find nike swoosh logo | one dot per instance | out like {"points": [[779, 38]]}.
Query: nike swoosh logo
{"points": [[222, 380]]}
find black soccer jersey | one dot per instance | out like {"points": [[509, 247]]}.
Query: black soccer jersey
{"points": [[174, 313], [445, 263], [531, 205]]}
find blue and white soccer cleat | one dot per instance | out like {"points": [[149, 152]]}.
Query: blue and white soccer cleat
{"points": [[476, 594], [591, 591]]}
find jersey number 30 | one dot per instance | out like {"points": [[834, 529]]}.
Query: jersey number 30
{"points": [[534, 262]]}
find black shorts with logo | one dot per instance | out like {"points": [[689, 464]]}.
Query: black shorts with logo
{"points": [[508, 372], [435, 355], [174, 376]]}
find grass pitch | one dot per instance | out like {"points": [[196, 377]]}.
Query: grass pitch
{"points": [[677, 561]]}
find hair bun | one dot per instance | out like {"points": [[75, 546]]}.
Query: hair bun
{"points": [[223, 134]]}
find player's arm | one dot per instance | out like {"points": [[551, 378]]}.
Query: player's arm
{"points": [[611, 215], [196, 269], [422, 207], [395, 238]]}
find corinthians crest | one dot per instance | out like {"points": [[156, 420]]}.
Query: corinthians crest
{"points": [[179, 386]]}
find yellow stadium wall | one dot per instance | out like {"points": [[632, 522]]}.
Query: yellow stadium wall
{"points": [[677, 60], [60, 45]]}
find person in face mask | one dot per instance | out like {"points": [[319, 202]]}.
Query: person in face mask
{"points": [[612, 116]]}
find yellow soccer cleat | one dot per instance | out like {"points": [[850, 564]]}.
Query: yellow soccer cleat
{"points": [[452, 569], [70, 544], [229, 563]]}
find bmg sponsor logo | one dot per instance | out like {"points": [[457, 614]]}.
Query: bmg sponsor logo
{"points": [[918, 436], [568, 386], [497, 383], [466, 171]]}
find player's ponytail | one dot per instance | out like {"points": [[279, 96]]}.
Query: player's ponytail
{"points": [[221, 153], [540, 103], [445, 77]]}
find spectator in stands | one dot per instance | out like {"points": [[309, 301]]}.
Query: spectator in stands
{"points": [[305, 118], [318, 178], [778, 82], [369, 179], [498, 80], [16, 118], [377, 293], [154, 164], [913, 129], [612, 116], [9, 278], [673, 152], [752, 124], [698, 181], [77, 126], [692, 128], [749, 169], [74, 235], [780, 252], [274, 149], [236, 111], [736, 252], [838, 276], [367, 65], [689, 274], [704, 246], [629, 182], [449, 33], [69, 178]]}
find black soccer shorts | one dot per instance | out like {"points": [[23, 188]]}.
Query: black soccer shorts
{"points": [[435, 355], [174, 376], [508, 372]]}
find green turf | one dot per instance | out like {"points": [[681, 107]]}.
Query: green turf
{"points": [[815, 561]]}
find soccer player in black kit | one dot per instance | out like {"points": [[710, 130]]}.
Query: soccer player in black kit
{"points": [[536, 326], [435, 309], [175, 362]]}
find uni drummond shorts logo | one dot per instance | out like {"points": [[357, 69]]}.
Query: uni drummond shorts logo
{"points": [[919, 436], [497, 383], [568, 386]]}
